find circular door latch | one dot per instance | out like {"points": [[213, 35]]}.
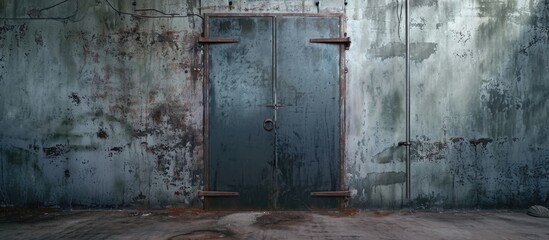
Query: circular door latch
{"points": [[268, 124]]}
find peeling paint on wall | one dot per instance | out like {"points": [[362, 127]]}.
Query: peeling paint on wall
{"points": [[105, 110]]}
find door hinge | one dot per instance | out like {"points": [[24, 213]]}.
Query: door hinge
{"points": [[217, 194], [207, 40], [331, 194], [344, 40]]}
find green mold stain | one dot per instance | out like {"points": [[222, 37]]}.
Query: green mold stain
{"points": [[29, 187], [393, 103], [496, 9], [119, 188], [386, 178], [419, 52], [16, 156], [23, 158], [119, 183], [424, 3], [68, 54]]}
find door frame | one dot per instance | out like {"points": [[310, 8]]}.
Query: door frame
{"points": [[342, 90]]}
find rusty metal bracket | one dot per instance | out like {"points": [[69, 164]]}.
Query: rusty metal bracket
{"points": [[205, 40], [404, 144], [331, 194], [217, 194], [275, 106], [344, 40]]}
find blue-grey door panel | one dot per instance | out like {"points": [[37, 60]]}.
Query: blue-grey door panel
{"points": [[273, 73], [308, 122], [240, 151]]}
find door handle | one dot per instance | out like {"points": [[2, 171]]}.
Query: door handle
{"points": [[268, 124]]}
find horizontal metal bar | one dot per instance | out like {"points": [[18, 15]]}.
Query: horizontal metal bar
{"points": [[404, 144], [273, 14], [217, 40], [331, 40], [344, 40], [217, 194], [275, 105], [331, 194]]}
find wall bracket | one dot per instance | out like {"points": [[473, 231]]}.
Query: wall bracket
{"points": [[344, 40], [331, 194]]}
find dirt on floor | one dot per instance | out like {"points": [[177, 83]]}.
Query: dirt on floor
{"points": [[199, 224]]}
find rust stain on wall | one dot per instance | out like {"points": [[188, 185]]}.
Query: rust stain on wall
{"points": [[102, 134], [75, 98], [55, 151], [480, 141]]}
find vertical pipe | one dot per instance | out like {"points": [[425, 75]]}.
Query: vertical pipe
{"points": [[408, 164]]}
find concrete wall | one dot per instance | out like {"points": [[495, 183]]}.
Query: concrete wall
{"points": [[102, 109]]}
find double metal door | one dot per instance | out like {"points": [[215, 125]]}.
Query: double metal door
{"points": [[273, 112]]}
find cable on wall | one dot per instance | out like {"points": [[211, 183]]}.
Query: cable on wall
{"points": [[165, 15], [35, 14], [54, 5], [155, 10]]}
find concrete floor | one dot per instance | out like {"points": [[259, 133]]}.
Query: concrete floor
{"points": [[198, 224]]}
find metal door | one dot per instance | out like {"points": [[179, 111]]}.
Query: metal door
{"points": [[273, 113], [240, 151], [308, 121]]}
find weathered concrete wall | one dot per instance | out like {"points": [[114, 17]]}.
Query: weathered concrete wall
{"points": [[479, 103], [103, 109]]}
